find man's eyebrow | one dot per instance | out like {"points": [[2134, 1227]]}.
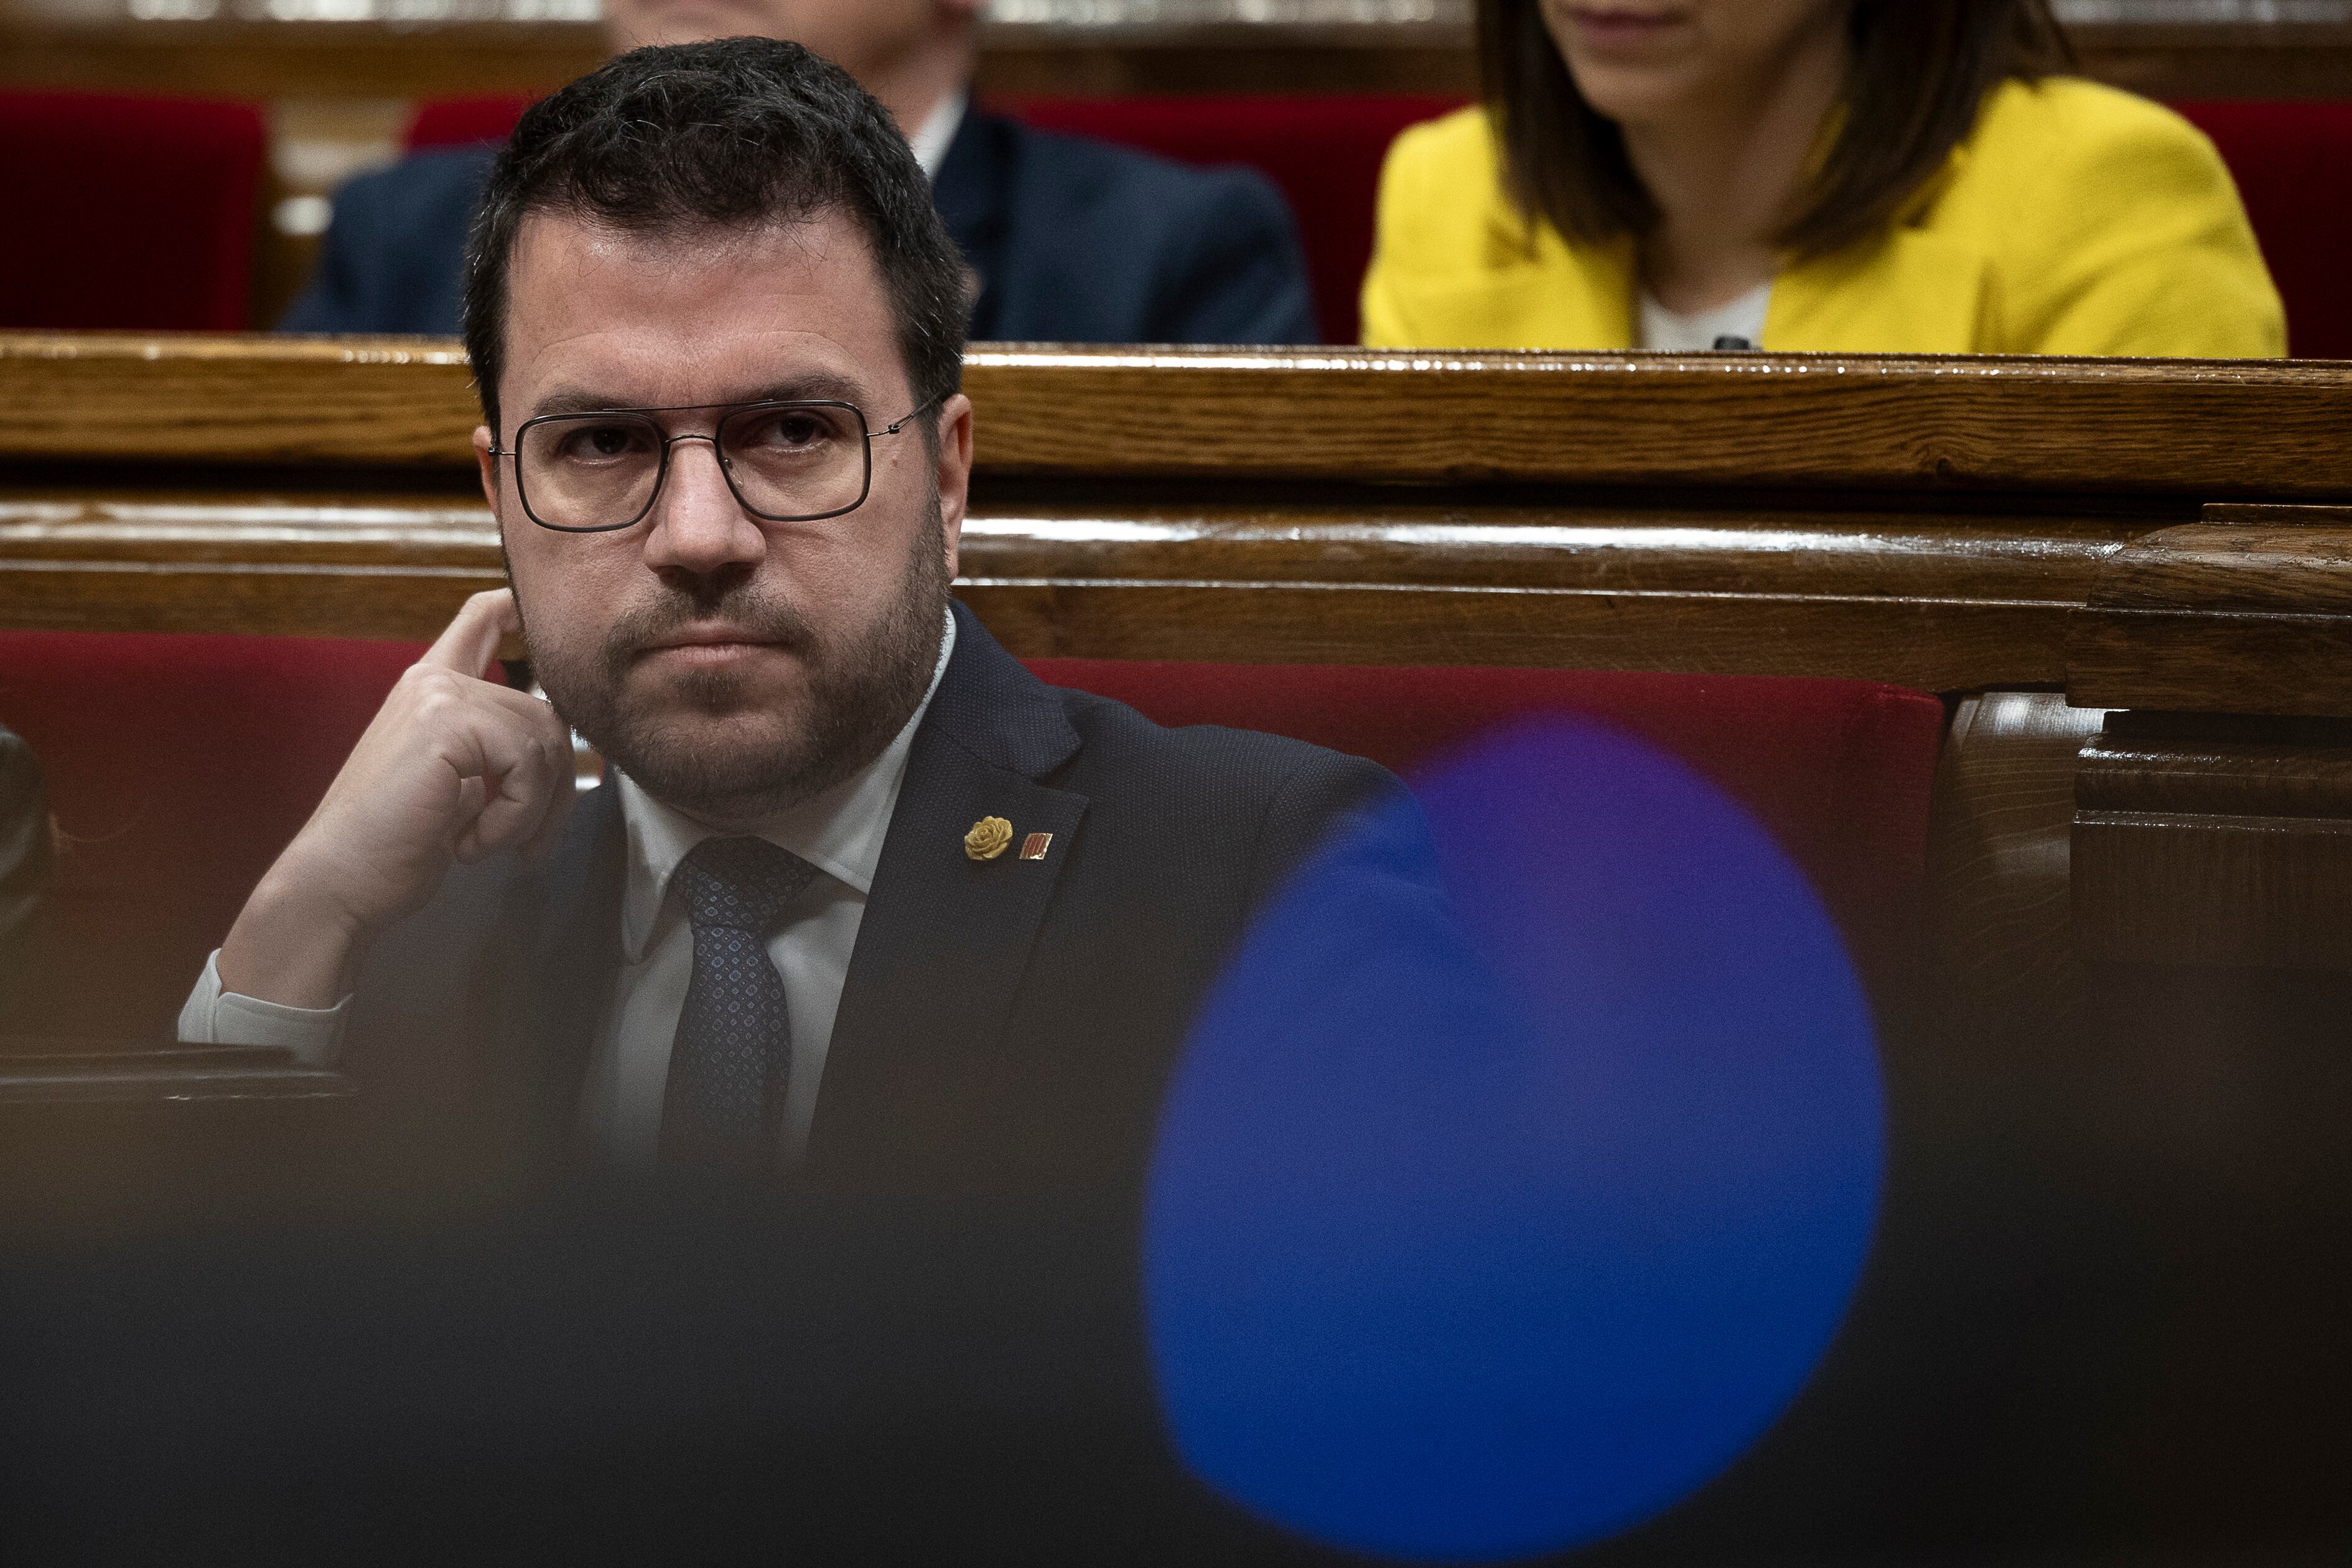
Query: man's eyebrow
{"points": [[815, 385]]}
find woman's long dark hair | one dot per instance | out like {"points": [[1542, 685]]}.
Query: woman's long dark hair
{"points": [[1920, 69]]}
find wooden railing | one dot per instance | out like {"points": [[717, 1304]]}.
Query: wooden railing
{"points": [[2136, 533]]}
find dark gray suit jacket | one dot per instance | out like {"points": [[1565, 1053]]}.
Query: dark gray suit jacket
{"points": [[1005, 1025]]}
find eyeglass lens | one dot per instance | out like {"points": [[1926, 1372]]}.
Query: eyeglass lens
{"points": [[787, 461]]}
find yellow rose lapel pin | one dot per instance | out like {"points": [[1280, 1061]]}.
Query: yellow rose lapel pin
{"points": [[989, 837]]}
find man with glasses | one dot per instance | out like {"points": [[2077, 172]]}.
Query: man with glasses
{"points": [[860, 897], [1070, 240]]}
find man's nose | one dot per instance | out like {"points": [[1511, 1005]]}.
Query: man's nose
{"points": [[699, 525]]}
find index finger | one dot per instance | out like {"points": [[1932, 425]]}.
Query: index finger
{"points": [[471, 641]]}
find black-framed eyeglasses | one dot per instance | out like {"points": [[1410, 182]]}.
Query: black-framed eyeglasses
{"points": [[790, 462]]}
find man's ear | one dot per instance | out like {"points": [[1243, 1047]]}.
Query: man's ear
{"points": [[953, 475], [489, 463]]}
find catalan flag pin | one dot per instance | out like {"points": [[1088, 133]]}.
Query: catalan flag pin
{"points": [[1034, 848]]}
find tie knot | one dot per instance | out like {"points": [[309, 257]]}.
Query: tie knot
{"points": [[741, 884]]}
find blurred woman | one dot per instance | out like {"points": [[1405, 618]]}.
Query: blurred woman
{"points": [[1848, 175]]}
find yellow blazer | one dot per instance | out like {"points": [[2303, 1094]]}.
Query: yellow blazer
{"points": [[2074, 220]]}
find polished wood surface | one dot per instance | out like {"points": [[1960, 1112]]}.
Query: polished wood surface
{"points": [[2206, 841], [128, 397], [2211, 430], [2000, 925], [285, 565], [2251, 617], [1952, 525]]}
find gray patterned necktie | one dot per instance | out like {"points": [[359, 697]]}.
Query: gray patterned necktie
{"points": [[732, 1062]]}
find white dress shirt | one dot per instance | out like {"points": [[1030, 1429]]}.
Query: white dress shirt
{"points": [[839, 832], [1675, 333], [937, 133]]}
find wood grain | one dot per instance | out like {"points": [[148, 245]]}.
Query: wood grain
{"points": [[2252, 617], [1928, 602], [1954, 525], [2218, 430], [2215, 843], [2211, 430], [360, 567], [128, 397]]}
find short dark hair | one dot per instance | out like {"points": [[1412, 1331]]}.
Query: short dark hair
{"points": [[1921, 68], [738, 133]]}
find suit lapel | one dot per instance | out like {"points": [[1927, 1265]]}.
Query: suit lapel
{"points": [[946, 939], [568, 921]]}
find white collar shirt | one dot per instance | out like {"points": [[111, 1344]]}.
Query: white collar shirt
{"points": [[937, 133]]}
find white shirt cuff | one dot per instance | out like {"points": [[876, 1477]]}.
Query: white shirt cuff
{"points": [[217, 1017]]}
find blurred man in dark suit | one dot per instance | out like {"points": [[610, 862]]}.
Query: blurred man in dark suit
{"points": [[860, 899], [1072, 240]]}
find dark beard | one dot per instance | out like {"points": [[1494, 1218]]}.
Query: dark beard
{"points": [[858, 695]]}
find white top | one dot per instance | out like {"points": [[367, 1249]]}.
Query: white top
{"points": [[937, 133], [839, 832], [1672, 332]]}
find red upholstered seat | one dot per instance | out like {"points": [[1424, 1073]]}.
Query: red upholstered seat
{"points": [[178, 767], [2292, 163], [456, 122], [1839, 771], [130, 213]]}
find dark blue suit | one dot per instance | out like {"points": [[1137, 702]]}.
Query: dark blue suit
{"points": [[1074, 241]]}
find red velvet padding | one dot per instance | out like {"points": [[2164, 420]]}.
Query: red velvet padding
{"points": [[131, 212], [178, 767], [457, 122], [1839, 771]]}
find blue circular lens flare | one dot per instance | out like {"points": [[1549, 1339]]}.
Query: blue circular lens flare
{"points": [[1521, 1165]]}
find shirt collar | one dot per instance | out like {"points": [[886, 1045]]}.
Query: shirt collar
{"points": [[938, 132], [839, 832]]}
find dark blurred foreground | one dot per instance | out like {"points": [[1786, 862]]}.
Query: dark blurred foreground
{"points": [[665, 1376], [2107, 1320]]}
